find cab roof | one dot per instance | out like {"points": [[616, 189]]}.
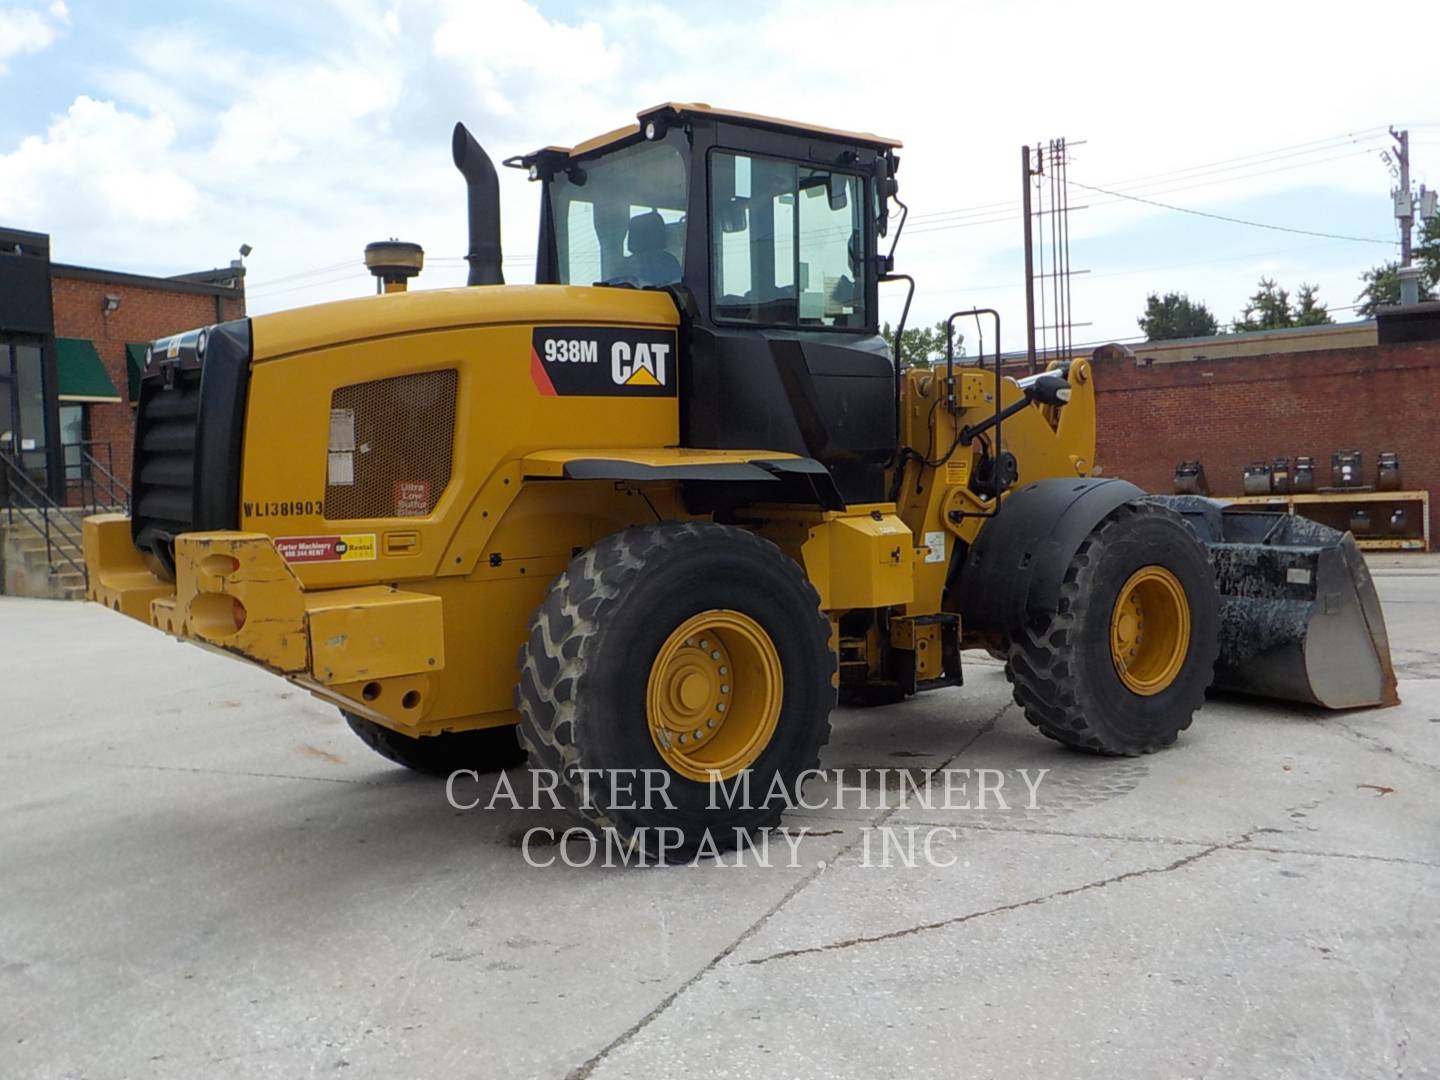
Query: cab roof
{"points": [[681, 110]]}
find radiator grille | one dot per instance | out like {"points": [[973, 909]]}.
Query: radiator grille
{"points": [[390, 447], [164, 474]]}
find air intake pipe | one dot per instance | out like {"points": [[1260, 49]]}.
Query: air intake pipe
{"points": [[484, 202]]}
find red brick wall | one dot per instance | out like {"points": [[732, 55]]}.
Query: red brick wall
{"points": [[144, 315], [1228, 412]]}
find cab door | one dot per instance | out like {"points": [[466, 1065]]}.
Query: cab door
{"points": [[783, 349]]}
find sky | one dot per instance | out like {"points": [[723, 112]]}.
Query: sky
{"points": [[158, 137]]}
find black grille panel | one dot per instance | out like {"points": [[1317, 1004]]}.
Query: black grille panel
{"points": [[164, 474], [188, 426]]}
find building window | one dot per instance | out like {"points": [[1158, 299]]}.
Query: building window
{"points": [[72, 440], [22, 407]]}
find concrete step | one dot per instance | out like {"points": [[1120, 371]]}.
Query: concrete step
{"points": [[32, 569], [35, 551], [61, 522], [25, 537]]}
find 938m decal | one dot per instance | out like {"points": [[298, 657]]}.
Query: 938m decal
{"points": [[603, 361]]}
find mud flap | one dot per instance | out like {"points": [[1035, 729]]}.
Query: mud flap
{"points": [[1299, 616]]}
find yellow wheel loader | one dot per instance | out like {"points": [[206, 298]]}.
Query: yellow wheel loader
{"points": [[657, 511]]}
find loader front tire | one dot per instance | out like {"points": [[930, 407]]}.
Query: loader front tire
{"points": [[668, 657], [485, 750], [1123, 663]]}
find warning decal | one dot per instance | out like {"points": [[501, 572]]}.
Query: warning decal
{"points": [[354, 547]]}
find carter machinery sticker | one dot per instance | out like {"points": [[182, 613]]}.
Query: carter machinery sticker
{"points": [[352, 547], [602, 361]]}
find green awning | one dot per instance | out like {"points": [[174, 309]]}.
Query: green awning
{"points": [[82, 375], [134, 368]]}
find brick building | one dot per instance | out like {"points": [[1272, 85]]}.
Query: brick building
{"points": [[1231, 400], [72, 343]]}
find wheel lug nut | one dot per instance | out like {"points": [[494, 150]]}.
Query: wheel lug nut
{"points": [[720, 707], [724, 670], [710, 723], [715, 656], [724, 688]]}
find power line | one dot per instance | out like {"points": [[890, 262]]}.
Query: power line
{"points": [[1244, 256], [1206, 168], [303, 285], [932, 226], [1281, 153], [1232, 220], [307, 273]]}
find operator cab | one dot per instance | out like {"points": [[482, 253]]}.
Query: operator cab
{"points": [[766, 234]]}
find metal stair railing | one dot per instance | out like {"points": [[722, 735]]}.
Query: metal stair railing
{"points": [[63, 536], [97, 479]]}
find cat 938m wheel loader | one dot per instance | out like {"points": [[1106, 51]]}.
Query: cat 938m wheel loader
{"points": [[660, 509]]}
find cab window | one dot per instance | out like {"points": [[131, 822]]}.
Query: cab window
{"points": [[787, 243], [620, 219]]}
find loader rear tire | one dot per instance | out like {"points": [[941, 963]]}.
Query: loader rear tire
{"points": [[662, 653], [1093, 675], [485, 750]]}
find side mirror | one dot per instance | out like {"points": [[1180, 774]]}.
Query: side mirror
{"points": [[883, 186], [837, 188]]}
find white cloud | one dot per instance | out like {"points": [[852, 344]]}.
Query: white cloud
{"points": [[302, 109], [522, 63], [333, 132], [30, 30], [99, 167]]}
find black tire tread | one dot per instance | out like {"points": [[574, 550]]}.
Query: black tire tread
{"points": [[565, 627], [1040, 662]]}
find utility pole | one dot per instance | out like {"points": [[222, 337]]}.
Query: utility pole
{"points": [[1405, 214], [1404, 206], [1025, 175]]}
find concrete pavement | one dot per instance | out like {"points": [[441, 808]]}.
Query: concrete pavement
{"points": [[203, 873]]}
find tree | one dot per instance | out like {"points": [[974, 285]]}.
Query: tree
{"points": [[1175, 315], [1382, 284], [922, 346], [1270, 309], [1309, 311]]}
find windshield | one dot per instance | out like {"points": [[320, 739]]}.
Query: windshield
{"points": [[620, 219]]}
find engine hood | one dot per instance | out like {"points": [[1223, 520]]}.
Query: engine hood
{"points": [[285, 333]]}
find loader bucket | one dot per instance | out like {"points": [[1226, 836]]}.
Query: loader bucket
{"points": [[1299, 616]]}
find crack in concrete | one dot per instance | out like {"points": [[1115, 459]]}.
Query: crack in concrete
{"points": [[1399, 860], [1381, 746], [185, 769], [1402, 1044], [587, 1067], [1078, 834], [1034, 901]]}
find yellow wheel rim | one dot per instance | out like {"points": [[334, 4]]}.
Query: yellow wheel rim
{"points": [[713, 696], [1150, 630]]}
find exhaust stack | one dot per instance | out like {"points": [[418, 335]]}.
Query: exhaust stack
{"points": [[484, 202]]}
